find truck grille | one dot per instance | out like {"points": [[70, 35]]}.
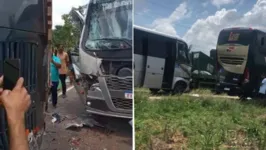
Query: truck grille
{"points": [[232, 60], [119, 83], [122, 103]]}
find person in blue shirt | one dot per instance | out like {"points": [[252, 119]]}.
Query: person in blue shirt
{"points": [[54, 73]]}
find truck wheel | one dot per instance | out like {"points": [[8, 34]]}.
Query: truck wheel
{"points": [[179, 88], [154, 91]]}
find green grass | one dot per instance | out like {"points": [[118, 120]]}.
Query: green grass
{"points": [[198, 123]]}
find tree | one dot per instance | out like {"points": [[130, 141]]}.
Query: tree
{"points": [[67, 34]]}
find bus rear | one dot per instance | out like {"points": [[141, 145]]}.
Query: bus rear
{"points": [[233, 59]]}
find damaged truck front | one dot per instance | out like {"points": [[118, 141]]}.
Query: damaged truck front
{"points": [[102, 64]]}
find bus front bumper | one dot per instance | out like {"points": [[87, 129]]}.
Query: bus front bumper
{"points": [[100, 103]]}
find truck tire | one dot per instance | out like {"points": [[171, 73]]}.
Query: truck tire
{"points": [[154, 91], [179, 88]]}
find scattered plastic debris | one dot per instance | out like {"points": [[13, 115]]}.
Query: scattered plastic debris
{"points": [[75, 141], [56, 118], [88, 122], [73, 126]]}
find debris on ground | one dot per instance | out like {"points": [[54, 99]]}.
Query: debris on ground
{"points": [[56, 118], [75, 141], [73, 126], [88, 122]]}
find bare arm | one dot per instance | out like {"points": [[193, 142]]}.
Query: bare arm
{"points": [[16, 104], [17, 134], [67, 59], [58, 65]]}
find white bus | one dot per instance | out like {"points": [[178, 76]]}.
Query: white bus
{"points": [[161, 61], [103, 60]]}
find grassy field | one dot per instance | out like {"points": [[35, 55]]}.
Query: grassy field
{"points": [[185, 122]]}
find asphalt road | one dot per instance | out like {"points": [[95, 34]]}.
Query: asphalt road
{"points": [[112, 134]]}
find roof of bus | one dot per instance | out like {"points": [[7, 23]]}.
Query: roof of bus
{"points": [[242, 28], [158, 33]]}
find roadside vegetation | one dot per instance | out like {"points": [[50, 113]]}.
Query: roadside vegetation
{"points": [[187, 122]]}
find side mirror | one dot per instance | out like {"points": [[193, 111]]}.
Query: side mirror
{"points": [[73, 53], [77, 17]]}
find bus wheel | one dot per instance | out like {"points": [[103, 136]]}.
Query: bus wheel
{"points": [[179, 88], [154, 91]]}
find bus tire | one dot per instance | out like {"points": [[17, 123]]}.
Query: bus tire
{"points": [[179, 88], [154, 91]]}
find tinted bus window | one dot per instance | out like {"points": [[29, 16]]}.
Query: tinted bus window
{"points": [[243, 37], [140, 43], [156, 46]]}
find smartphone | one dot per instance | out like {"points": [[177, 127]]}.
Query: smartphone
{"points": [[12, 72]]}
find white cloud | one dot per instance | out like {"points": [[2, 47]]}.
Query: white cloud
{"points": [[166, 25], [61, 7], [203, 33], [219, 3]]}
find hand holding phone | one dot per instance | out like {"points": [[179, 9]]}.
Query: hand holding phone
{"points": [[12, 73]]}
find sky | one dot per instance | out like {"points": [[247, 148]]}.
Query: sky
{"points": [[61, 7], [199, 22]]}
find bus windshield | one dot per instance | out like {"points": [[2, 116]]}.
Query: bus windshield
{"points": [[243, 37], [109, 21]]}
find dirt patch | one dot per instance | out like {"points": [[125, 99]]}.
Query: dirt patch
{"points": [[239, 140], [176, 142], [263, 116]]}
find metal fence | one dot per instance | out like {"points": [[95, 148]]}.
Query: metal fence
{"points": [[27, 53]]}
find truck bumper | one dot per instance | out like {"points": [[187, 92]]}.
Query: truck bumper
{"points": [[231, 89]]}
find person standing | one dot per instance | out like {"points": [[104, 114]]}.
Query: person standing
{"points": [[262, 90], [55, 65], [63, 70]]}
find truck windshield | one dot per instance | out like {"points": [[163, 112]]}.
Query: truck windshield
{"points": [[242, 37], [109, 20]]}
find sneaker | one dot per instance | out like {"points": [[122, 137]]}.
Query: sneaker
{"points": [[64, 96]]}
